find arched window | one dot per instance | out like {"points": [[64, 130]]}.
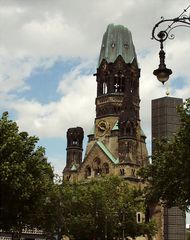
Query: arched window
{"points": [[88, 172], [75, 142], [116, 84], [74, 156], [122, 83], [119, 83], [105, 168], [105, 88], [96, 167]]}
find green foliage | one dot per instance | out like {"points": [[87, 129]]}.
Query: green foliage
{"points": [[29, 196], [25, 176], [169, 173], [106, 206]]}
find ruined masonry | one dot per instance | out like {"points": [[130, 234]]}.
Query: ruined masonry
{"points": [[116, 144]]}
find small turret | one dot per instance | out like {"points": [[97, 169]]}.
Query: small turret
{"points": [[75, 137], [74, 148]]}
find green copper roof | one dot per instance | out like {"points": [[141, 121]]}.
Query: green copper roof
{"points": [[117, 40], [73, 168], [107, 152], [115, 127]]}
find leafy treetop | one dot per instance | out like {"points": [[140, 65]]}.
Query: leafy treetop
{"points": [[169, 174], [25, 176]]}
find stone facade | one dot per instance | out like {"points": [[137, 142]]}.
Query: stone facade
{"points": [[116, 145]]}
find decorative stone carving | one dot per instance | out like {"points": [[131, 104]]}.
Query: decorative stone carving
{"points": [[102, 127]]}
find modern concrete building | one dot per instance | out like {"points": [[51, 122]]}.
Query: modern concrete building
{"points": [[165, 122]]}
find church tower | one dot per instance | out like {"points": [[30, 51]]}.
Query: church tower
{"points": [[116, 144], [74, 149]]}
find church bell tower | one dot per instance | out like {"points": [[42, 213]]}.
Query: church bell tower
{"points": [[117, 99], [116, 144]]}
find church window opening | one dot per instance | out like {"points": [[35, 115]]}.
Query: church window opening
{"points": [[97, 161], [122, 171], [105, 88], [132, 172], [88, 171], [122, 83], [116, 87], [74, 156], [105, 168], [119, 83], [139, 217], [75, 142], [68, 177], [97, 169]]}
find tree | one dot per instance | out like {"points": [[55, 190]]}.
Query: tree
{"points": [[168, 176], [99, 208], [25, 177], [30, 197], [54, 209]]}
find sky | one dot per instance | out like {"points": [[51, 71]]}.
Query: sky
{"points": [[49, 52]]}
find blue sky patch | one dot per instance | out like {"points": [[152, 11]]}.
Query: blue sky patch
{"points": [[178, 82], [43, 83], [52, 146], [56, 151], [143, 53]]}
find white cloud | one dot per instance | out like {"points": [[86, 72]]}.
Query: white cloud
{"points": [[75, 108], [15, 71], [35, 34], [36, 31]]}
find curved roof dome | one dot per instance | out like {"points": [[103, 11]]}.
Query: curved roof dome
{"points": [[117, 40]]}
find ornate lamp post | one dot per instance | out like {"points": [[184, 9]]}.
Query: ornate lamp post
{"points": [[122, 223], [162, 72]]}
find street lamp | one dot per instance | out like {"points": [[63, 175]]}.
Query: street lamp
{"points": [[122, 223], [162, 72]]}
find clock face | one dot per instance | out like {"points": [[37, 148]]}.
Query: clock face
{"points": [[102, 127]]}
